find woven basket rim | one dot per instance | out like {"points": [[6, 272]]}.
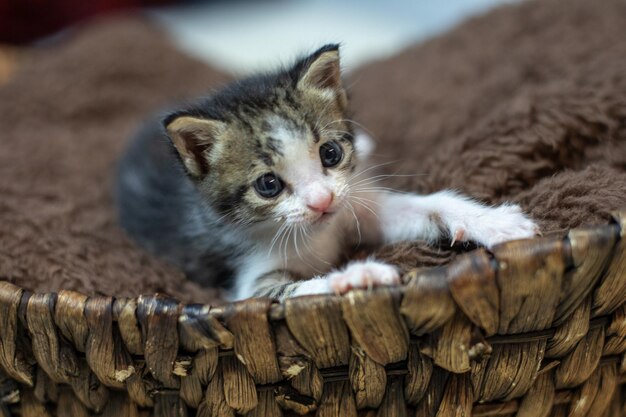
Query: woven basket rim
{"points": [[277, 309], [182, 330]]}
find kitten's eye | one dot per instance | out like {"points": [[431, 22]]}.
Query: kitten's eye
{"points": [[268, 185], [331, 154]]}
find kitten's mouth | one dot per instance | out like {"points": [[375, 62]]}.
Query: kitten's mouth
{"points": [[324, 216]]}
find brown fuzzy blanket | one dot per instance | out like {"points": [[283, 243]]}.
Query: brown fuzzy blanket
{"points": [[526, 104]]}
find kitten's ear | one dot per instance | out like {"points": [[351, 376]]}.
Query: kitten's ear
{"points": [[322, 70], [193, 137]]}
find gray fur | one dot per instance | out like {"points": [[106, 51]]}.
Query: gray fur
{"points": [[160, 207]]}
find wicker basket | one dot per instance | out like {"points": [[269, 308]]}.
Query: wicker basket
{"points": [[536, 328]]}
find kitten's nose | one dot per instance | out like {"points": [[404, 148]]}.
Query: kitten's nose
{"points": [[321, 202]]}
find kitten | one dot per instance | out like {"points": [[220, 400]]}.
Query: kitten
{"points": [[261, 187]]}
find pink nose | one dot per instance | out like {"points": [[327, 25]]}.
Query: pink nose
{"points": [[321, 202]]}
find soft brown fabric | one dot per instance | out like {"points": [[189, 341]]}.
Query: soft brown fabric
{"points": [[64, 119], [526, 104]]}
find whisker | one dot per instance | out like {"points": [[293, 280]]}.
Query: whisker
{"points": [[326, 107], [356, 220], [329, 123], [354, 122], [337, 134], [295, 242], [306, 240], [366, 200], [280, 246], [286, 245], [380, 177], [312, 250], [302, 230], [308, 247], [379, 189], [367, 208], [355, 175], [226, 214], [275, 238]]}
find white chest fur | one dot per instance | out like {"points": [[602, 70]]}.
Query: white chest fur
{"points": [[298, 252]]}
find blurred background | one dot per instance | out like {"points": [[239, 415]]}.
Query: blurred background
{"points": [[241, 36]]}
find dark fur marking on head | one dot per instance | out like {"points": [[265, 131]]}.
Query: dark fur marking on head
{"points": [[229, 201], [348, 137], [266, 157], [273, 145], [262, 153], [316, 133], [247, 125], [291, 101]]}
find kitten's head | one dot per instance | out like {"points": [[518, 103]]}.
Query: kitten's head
{"points": [[272, 147]]}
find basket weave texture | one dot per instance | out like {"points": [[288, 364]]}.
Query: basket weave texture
{"points": [[533, 328]]}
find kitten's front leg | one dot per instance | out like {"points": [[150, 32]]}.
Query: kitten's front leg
{"points": [[446, 214], [362, 274], [281, 284]]}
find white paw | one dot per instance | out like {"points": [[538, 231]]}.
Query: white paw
{"points": [[494, 225], [365, 274]]}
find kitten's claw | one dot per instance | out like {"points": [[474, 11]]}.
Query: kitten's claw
{"points": [[457, 237], [366, 274], [495, 225]]}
